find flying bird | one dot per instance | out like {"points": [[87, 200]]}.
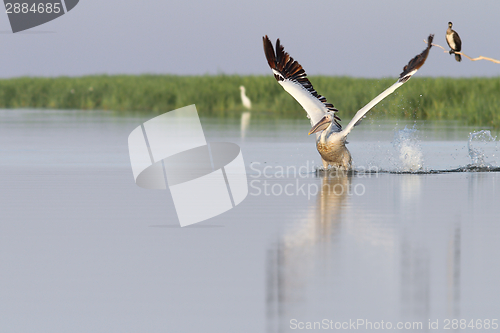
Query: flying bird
{"points": [[330, 136], [454, 42], [244, 99]]}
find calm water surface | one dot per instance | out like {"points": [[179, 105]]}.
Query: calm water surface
{"points": [[83, 249]]}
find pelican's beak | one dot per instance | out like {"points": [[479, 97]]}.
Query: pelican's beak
{"points": [[321, 125]]}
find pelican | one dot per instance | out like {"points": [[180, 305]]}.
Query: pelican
{"points": [[244, 99], [330, 137], [454, 42]]}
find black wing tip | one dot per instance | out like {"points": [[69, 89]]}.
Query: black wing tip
{"points": [[280, 61], [289, 69], [277, 60], [417, 62], [269, 51], [429, 40]]}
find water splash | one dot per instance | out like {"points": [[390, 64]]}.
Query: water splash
{"points": [[407, 145], [480, 148]]}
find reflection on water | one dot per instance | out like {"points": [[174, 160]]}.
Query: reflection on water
{"points": [[80, 241], [454, 273], [415, 257], [395, 257], [245, 122], [302, 248]]}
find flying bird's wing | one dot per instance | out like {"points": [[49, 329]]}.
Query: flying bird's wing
{"points": [[408, 71], [293, 78], [415, 63]]}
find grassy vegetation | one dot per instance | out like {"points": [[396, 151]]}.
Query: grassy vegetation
{"points": [[474, 101]]}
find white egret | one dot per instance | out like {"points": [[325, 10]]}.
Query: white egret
{"points": [[244, 99], [245, 116]]}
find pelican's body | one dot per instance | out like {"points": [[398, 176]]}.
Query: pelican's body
{"points": [[334, 153], [244, 99], [330, 136], [454, 42]]}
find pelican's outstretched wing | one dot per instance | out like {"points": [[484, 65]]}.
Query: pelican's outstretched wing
{"points": [[408, 71], [293, 78]]}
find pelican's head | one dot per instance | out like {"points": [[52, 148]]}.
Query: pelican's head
{"points": [[323, 123], [242, 88], [450, 24]]}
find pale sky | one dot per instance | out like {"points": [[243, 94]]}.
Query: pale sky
{"points": [[363, 38]]}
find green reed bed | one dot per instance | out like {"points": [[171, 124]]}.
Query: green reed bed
{"points": [[473, 101]]}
